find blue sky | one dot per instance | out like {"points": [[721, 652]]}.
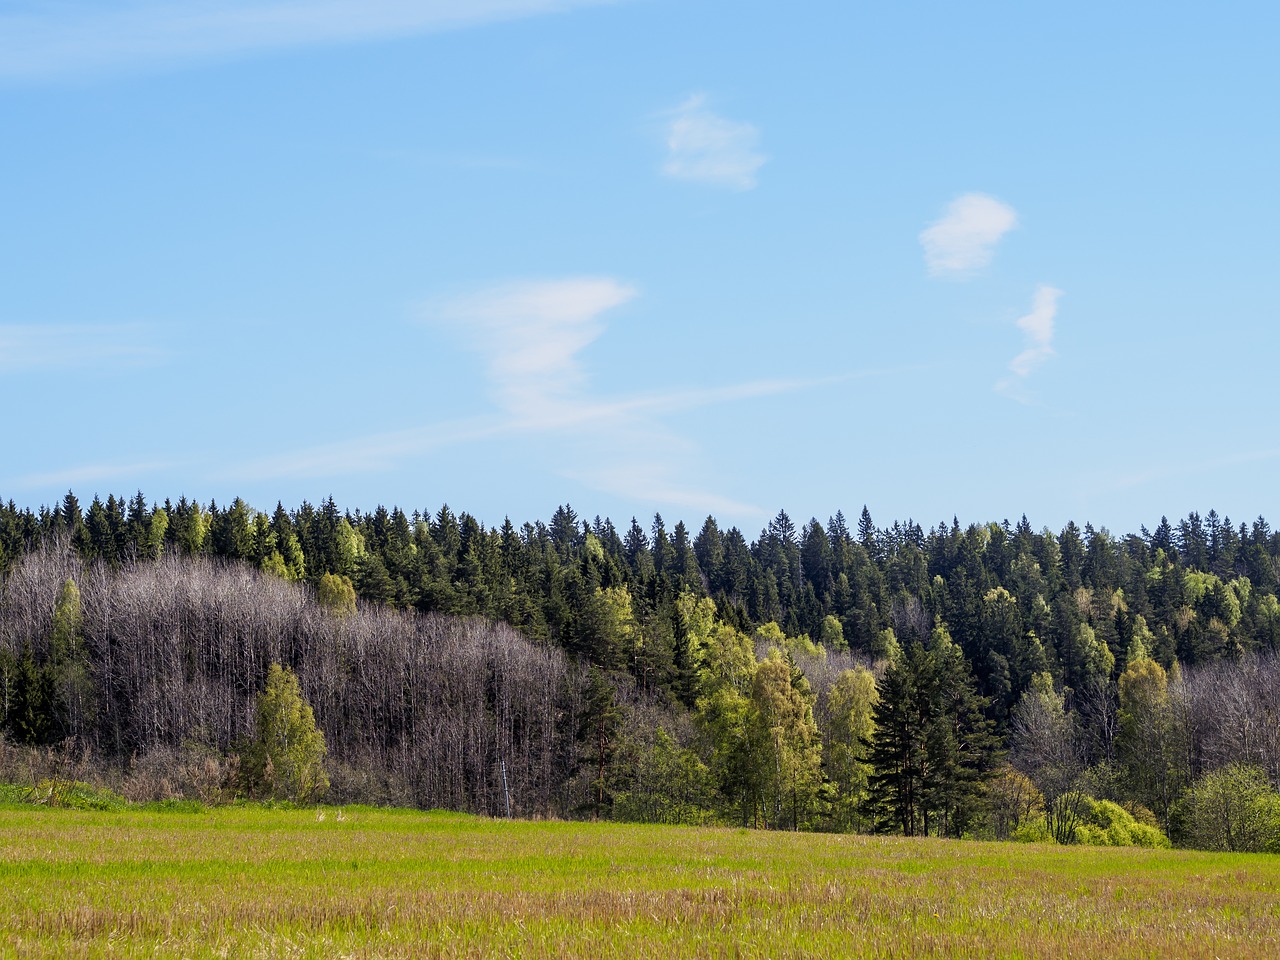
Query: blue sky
{"points": [[699, 257]]}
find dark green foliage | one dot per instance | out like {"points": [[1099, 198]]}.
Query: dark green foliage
{"points": [[932, 745], [1184, 579], [598, 724], [30, 701]]}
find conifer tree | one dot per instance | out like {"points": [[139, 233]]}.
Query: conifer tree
{"points": [[285, 760]]}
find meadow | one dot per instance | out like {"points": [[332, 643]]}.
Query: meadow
{"points": [[361, 882]]}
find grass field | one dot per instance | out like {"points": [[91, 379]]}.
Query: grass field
{"points": [[246, 882]]}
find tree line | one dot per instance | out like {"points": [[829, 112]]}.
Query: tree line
{"points": [[982, 680]]}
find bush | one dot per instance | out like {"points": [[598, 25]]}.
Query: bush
{"points": [[191, 772], [76, 795], [1107, 824], [1233, 809], [1012, 801], [1033, 830], [14, 793], [1102, 824]]}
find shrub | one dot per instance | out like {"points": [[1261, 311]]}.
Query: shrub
{"points": [[1012, 801], [1033, 830], [1102, 824], [75, 795], [285, 761], [1234, 809], [14, 793]]}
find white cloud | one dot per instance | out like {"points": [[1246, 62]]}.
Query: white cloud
{"points": [[706, 148], [964, 239], [1038, 326], [80, 37], [27, 347], [530, 335]]}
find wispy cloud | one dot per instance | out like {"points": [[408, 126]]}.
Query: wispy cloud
{"points": [[1038, 327], [705, 147], [41, 347], [368, 454], [1111, 481], [58, 39], [531, 337], [89, 474], [963, 241]]}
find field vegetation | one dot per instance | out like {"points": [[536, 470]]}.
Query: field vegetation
{"points": [[249, 881]]}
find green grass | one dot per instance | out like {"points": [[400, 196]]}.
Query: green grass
{"points": [[250, 882]]}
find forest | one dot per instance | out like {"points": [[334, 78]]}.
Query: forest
{"points": [[990, 681]]}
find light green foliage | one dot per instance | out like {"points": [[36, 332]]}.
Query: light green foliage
{"points": [[851, 703], [832, 635], [1234, 808], [887, 649], [786, 747], [594, 548], [64, 637], [1094, 657], [1150, 739], [1264, 611], [726, 662], [727, 666], [337, 593], [193, 538], [1099, 823], [274, 564], [1143, 642], [69, 663], [1243, 590], [349, 544], [771, 636], [657, 781], [1213, 599], [282, 558], [294, 560], [285, 761], [698, 614], [156, 530], [1107, 824], [624, 634]]}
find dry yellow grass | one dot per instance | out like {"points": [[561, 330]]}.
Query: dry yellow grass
{"points": [[262, 883]]}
